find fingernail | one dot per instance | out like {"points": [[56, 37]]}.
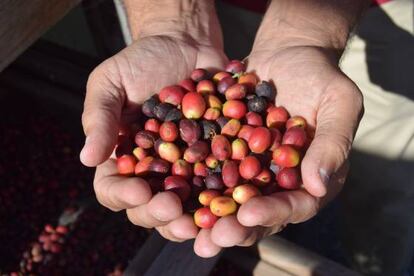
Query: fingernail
{"points": [[160, 216], [87, 141], [324, 176]]}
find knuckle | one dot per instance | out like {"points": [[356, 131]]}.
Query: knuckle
{"points": [[134, 218], [337, 143], [284, 210], [103, 193], [166, 233]]}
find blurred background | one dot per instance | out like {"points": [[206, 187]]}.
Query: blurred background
{"points": [[50, 222]]}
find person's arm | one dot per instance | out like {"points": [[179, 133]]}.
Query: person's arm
{"points": [[298, 47], [194, 18], [181, 34], [321, 23], [171, 39]]}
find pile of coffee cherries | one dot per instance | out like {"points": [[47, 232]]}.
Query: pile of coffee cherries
{"points": [[216, 141]]}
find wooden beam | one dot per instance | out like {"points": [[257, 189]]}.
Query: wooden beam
{"points": [[22, 22], [297, 260]]}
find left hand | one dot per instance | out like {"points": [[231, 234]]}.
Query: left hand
{"points": [[309, 83]]}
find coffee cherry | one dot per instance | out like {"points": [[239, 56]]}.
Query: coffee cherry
{"points": [[173, 115], [221, 147], [239, 149], [145, 139], [193, 105], [178, 185], [235, 66], [295, 136], [245, 132], [223, 206], [149, 105], [182, 168], [276, 138], [188, 85], [211, 161], [231, 128], [257, 104], [248, 79], [200, 169], [234, 109], [190, 131], [206, 196], [220, 75], [143, 166], [161, 110], [204, 218], [249, 167], [260, 140], [159, 166], [196, 152], [263, 178], [126, 164], [169, 152], [197, 186], [152, 125], [168, 131], [230, 173], [214, 181], [199, 74], [243, 193], [206, 87], [172, 94], [212, 114], [289, 178], [277, 117], [214, 102], [224, 84], [286, 156], [236, 92], [296, 121], [209, 128], [266, 90]]}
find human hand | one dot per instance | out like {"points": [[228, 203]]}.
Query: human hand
{"points": [[115, 90], [310, 84]]}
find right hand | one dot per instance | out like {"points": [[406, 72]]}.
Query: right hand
{"points": [[115, 90]]}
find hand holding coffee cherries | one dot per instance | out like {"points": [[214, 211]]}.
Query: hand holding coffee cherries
{"points": [[215, 148], [115, 92], [215, 142]]}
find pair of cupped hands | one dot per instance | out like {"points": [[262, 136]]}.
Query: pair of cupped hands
{"points": [[309, 83]]}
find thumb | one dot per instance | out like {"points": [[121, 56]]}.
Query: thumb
{"points": [[337, 120], [100, 118]]}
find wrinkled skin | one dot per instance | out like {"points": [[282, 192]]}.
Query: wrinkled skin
{"points": [[309, 84]]}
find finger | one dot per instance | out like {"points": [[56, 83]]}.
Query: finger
{"points": [[180, 229], [212, 60], [140, 216], [228, 232], [119, 192], [160, 210], [204, 246], [101, 116], [337, 120], [278, 209]]}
